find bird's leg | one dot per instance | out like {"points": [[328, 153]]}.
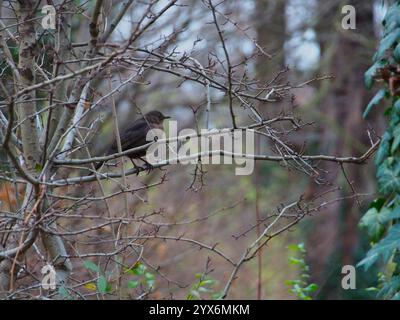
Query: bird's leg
{"points": [[135, 166], [148, 166]]}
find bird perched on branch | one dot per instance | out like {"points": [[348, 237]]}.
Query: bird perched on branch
{"points": [[135, 135]]}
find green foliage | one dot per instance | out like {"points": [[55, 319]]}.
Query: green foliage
{"points": [[204, 285], [368, 78], [64, 293], [387, 42], [102, 285], [142, 276], [300, 287], [381, 221], [376, 100], [90, 265]]}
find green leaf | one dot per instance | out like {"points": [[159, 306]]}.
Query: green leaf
{"points": [[389, 214], [207, 282], [102, 284], [302, 247], [396, 141], [109, 287], [396, 296], [372, 289], [388, 175], [396, 53], [386, 43], [150, 283], [204, 290], [371, 223], [64, 293], [293, 247], [390, 288], [91, 266], [311, 288], [396, 106], [289, 282], [133, 284], [392, 19], [138, 270], [217, 296], [384, 148], [375, 100], [194, 294], [295, 261], [369, 75], [384, 249], [149, 276]]}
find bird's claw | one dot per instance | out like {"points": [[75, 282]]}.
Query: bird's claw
{"points": [[148, 167]]}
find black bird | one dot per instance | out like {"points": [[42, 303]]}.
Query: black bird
{"points": [[135, 135]]}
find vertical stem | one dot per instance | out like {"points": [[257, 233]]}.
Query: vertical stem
{"points": [[258, 219], [122, 226]]}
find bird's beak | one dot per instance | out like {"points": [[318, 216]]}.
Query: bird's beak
{"points": [[167, 117]]}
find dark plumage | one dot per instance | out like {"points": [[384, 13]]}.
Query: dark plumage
{"points": [[135, 135]]}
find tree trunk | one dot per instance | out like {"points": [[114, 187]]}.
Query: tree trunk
{"points": [[345, 55]]}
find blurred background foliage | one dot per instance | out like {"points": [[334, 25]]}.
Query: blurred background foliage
{"points": [[306, 37]]}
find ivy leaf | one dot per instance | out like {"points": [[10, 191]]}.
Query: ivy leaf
{"points": [[389, 176], [396, 105], [390, 288], [384, 249], [388, 214], [396, 141], [396, 296], [392, 19], [386, 43], [396, 53], [369, 75], [371, 223], [384, 148], [376, 100]]}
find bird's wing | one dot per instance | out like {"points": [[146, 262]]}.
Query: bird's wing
{"points": [[133, 136]]}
